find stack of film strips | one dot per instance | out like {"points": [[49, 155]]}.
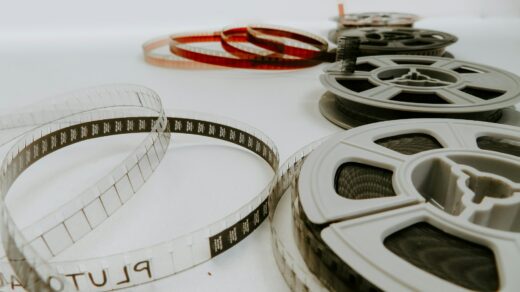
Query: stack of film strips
{"points": [[251, 47]]}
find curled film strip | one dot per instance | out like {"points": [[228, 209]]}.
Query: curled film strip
{"points": [[397, 87], [54, 126], [424, 204], [275, 48], [29, 252]]}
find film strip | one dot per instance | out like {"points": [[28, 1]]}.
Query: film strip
{"points": [[275, 48], [366, 219], [54, 126], [29, 252]]}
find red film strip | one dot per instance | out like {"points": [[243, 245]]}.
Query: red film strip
{"points": [[251, 47]]}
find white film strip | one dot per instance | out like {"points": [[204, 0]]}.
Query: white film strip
{"points": [[30, 251]]}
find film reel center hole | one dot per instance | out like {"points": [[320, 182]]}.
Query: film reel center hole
{"points": [[489, 183], [487, 186]]}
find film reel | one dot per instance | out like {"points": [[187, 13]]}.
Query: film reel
{"points": [[397, 87], [376, 19], [390, 40], [424, 204], [113, 111], [370, 19]]}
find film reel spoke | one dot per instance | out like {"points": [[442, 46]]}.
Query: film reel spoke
{"points": [[380, 61], [456, 96], [489, 82], [382, 92], [458, 136], [397, 44], [373, 154], [446, 63]]}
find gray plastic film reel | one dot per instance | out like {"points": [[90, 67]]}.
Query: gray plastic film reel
{"points": [[389, 41], [394, 87], [447, 220], [371, 19]]}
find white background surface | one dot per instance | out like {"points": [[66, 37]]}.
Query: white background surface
{"points": [[50, 47]]}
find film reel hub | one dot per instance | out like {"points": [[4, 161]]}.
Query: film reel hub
{"points": [[411, 205], [475, 185], [418, 76]]}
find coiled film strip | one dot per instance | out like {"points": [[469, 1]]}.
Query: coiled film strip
{"points": [[112, 111], [357, 230], [275, 48]]}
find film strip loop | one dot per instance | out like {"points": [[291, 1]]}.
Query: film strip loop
{"points": [[297, 277], [30, 252], [25, 250], [275, 48]]}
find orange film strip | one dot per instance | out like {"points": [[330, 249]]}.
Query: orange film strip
{"points": [[249, 47]]}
